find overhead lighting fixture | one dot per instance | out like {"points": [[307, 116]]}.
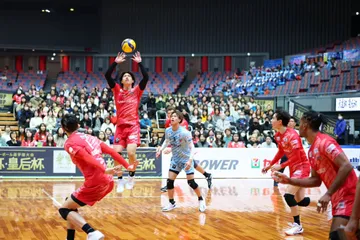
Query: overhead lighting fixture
{"points": [[47, 10], [71, 9], [193, 55], [43, 10], [54, 54], [52, 59], [33, 50], [357, 13], [248, 54]]}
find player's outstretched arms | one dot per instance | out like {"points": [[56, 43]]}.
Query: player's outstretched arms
{"points": [[119, 59]]}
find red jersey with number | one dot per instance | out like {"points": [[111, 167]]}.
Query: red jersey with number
{"points": [[322, 154], [289, 141], [127, 105], [93, 175]]}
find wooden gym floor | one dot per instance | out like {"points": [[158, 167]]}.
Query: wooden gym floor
{"points": [[237, 209]]}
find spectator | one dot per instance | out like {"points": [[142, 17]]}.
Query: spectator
{"points": [[102, 137], [21, 133], [50, 142], [50, 120], [90, 131], [253, 143], [196, 136], [151, 105], [236, 143], [60, 137], [109, 134], [228, 137], [58, 119], [25, 117], [86, 122], [209, 122], [145, 123], [211, 138], [155, 141], [202, 143], [77, 113], [29, 140], [13, 140], [222, 123], [268, 143], [2, 140], [36, 120], [219, 140], [340, 128], [161, 107], [199, 125], [103, 113], [41, 135], [97, 121], [108, 124], [6, 134]]}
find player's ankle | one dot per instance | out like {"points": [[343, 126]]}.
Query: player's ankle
{"points": [[172, 201], [200, 198], [131, 174], [120, 177], [87, 228]]}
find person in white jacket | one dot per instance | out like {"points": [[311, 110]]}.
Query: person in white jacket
{"points": [[36, 120]]}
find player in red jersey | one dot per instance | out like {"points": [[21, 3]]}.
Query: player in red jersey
{"points": [[184, 124], [329, 165], [86, 153], [289, 143], [127, 100]]}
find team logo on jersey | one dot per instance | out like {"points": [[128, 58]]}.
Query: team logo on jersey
{"points": [[285, 139], [316, 151], [117, 140], [294, 142], [330, 148], [341, 205]]}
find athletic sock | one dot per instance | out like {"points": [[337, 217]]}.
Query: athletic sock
{"points": [[120, 177], [131, 174], [200, 198], [87, 228], [70, 234], [207, 174], [297, 219], [172, 201]]}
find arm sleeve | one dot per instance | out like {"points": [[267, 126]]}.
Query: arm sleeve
{"points": [[109, 79], [117, 157], [88, 158], [144, 81], [278, 156]]}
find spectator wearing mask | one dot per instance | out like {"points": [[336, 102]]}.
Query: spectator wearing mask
{"points": [[202, 143], [161, 107], [236, 143], [13, 140], [25, 117], [17, 98], [255, 126], [340, 129], [268, 143], [36, 100], [145, 123]]}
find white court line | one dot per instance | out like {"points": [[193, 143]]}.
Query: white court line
{"points": [[56, 203]]}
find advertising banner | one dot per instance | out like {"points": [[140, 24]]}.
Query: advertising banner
{"points": [[352, 55], [273, 63], [55, 162]]}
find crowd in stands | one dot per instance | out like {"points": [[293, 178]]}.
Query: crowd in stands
{"points": [[215, 120]]}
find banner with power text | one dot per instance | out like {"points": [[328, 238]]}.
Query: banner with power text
{"points": [[55, 162], [240, 163]]}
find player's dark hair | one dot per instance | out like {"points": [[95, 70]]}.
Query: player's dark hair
{"points": [[132, 76], [179, 115], [293, 119], [314, 119], [70, 123], [283, 116], [170, 109]]}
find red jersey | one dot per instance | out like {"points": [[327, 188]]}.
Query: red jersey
{"points": [[93, 175], [322, 154], [17, 98], [236, 145], [184, 123], [127, 105], [289, 141]]}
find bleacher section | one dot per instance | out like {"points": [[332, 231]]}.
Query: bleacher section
{"points": [[159, 83], [24, 79]]}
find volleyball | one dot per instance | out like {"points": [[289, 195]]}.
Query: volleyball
{"points": [[128, 45]]}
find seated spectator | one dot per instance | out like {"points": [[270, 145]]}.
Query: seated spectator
{"points": [[90, 132], [50, 142], [199, 125], [25, 117], [155, 141], [41, 135], [202, 143], [102, 137], [228, 137], [103, 113], [236, 143], [268, 143], [161, 108], [196, 136], [253, 143], [6, 134], [50, 120], [219, 140], [211, 138], [97, 121], [110, 135], [13, 140], [29, 140], [86, 122], [60, 137], [222, 123], [108, 124], [21, 133], [36, 120], [2, 140], [145, 123]]}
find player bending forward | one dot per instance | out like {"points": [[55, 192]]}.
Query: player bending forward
{"points": [[289, 143], [86, 153], [182, 147], [329, 165], [127, 100]]}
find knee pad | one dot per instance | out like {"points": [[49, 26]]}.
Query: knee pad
{"points": [[170, 184], [64, 212], [334, 235], [192, 184], [290, 200], [305, 202]]}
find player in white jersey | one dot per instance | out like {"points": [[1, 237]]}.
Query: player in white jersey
{"points": [[182, 148]]}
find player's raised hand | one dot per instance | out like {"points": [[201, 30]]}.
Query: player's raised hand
{"points": [[133, 166], [120, 58], [265, 169], [280, 177], [137, 57]]}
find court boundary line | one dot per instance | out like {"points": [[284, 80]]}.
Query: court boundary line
{"points": [[56, 203]]}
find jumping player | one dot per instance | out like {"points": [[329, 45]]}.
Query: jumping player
{"points": [[329, 165], [127, 98], [183, 151], [85, 152], [289, 143], [197, 167]]}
